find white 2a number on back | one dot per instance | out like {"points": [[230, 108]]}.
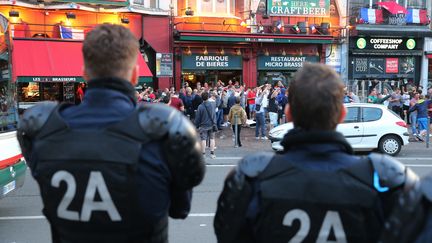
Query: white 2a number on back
{"points": [[331, 221], [95, 184]]}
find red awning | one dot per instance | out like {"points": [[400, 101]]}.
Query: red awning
{"points": [[392, 7], [144, 70], [32, 58], [429, 56], [42, 58]]}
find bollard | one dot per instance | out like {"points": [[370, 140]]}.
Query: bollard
{"points": [[236, 142], [427, 132]]}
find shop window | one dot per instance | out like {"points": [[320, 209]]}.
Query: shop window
{"points": [[355, 5], [8, 111], [29, 92], [154, 3], [212, 7], [413, 3]]}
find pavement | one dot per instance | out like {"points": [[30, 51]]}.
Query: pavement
{"points": [[21, 220]]}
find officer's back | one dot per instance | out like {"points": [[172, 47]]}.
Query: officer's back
{"points": [[110, 171], [315, 190]]}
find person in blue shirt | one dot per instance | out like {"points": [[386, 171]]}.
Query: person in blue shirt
{"points": [[422, 107], [109, 170]]}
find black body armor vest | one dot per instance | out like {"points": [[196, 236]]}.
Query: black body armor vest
{"points": [[87, 179], [317, 206]]}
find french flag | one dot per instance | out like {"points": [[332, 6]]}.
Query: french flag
{"points": [[417, 16], [371, 16], [70, 33]]}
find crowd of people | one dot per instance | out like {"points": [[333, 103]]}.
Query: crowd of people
{"points": [[111, 171], [232, 105], [410, 104]]}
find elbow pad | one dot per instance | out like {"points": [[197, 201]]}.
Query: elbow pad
{"points": [[180, 143], [31, 123]]}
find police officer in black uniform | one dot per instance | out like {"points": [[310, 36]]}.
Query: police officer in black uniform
{"points": [[108, 170], [316, 190]]}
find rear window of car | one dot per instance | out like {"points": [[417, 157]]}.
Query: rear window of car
{"points": [[371, 114], [352, 115]]}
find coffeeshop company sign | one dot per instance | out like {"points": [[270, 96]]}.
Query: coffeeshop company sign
{"points": [[284, 62], [306, 8], [211, 62], [378, 43]]}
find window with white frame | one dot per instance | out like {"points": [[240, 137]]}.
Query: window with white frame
{"points": [[405, 3], [212, 7]]}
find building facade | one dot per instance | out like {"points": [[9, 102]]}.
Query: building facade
{"points": [[388, 44], [254, 41]]}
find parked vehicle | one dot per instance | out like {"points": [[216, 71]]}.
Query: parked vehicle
{"points": [[366, 127], [12, 164]]}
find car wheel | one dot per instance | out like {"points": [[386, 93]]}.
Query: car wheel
{"points": [[390, 144]]}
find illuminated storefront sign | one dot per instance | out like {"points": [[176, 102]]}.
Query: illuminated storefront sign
{"points": [[215, 62], [375, 43], [308, 8], [284, 62]]}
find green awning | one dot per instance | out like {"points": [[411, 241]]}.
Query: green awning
{"points": [[263, 40], [49, 79], [147, 80], [4, 56], [95, 2]]}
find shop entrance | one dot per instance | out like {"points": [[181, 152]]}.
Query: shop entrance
{"points": [[31, 92], [211, 77], [273, 77]]}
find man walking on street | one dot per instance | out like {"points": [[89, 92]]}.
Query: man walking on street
{"points": [[205, 121], [237, 116], [109, 171]]}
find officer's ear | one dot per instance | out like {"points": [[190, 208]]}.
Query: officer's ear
{"points": [[343, 114], [135, 75], [85, 74], [288, 115]]}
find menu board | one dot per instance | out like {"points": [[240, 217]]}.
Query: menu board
{"points": [[69, 92], [382, 67]]}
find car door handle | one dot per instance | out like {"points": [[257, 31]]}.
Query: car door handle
{"points": [[356, 127]]}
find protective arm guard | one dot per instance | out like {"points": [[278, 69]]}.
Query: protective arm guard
{"points": [[407, 214], [30, 124], [180, 143], [230, 221]]}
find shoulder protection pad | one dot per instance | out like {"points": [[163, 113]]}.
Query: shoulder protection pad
{"points": [[31, 123], [34, 118], [252, 165], [426, 187], [180, 143], [391, 173], [232, 206], [154, 119]]}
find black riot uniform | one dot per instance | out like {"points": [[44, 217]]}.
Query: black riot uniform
{"points": [[88, 177], [301, 204]]}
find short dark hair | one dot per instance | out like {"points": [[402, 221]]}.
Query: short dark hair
{"points": [[316, 97], [237, 100], [109, 50], [205, 96]]}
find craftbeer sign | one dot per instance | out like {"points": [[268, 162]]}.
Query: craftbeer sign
{"points": [[307, 8], [376, 43], [284, 62], [214, 62]]}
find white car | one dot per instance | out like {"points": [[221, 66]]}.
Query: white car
{"points": [[366, 127]]}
